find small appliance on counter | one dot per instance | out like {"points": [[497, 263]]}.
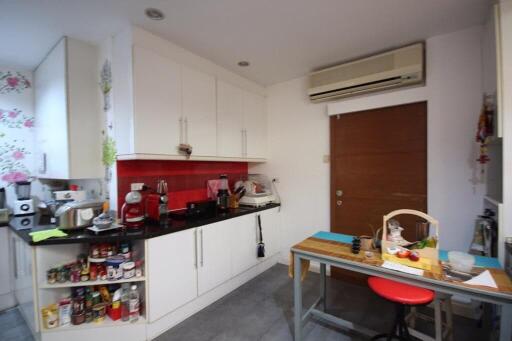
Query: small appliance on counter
{"points": [[258, 191], [156, 204], [4, 212], [24, 205], [77, 214], [196, 210], [64, 196], [223, 194], [132, 212]]}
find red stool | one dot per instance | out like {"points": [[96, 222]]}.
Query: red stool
{"points": [[402, 295]]}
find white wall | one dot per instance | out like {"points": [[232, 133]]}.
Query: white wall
{"points": [[299, 138], [506, 46]]}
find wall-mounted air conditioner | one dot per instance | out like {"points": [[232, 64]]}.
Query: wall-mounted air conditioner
{"points": [[401, 67]]}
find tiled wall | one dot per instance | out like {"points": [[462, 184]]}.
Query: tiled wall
{"points": [[186, 180]]}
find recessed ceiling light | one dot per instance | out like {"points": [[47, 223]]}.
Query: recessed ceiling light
{"points": [[154, 14], [243, 63]]}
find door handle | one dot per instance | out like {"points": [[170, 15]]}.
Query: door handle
{"points": [[339, 192], [339, 202], [202, 249]]}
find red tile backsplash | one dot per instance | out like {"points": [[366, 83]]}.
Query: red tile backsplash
{"points": [[186, 180]]}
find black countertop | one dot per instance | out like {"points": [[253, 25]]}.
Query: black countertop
{"points": [[22, 226]]}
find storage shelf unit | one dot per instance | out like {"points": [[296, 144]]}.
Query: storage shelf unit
{"points": [[89, 283]]}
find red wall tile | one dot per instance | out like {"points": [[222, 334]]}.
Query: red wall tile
{"points": [[186, 180]]}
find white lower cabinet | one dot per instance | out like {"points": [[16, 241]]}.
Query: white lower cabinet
{"points": [[172, 273], [214, 255], [270, 222], [244, 243], [23, 283], [188, 264]]}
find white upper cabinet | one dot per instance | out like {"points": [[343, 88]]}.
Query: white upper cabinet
{"points": [[68, 129], [230, 123], [199, 112], [255, 124], [241, 122], [157, 121], [165, 96]]}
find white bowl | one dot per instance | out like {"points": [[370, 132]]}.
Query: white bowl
{"points": [[461, 261]]}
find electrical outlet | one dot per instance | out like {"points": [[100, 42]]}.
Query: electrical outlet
{"points": [[137, 186]]}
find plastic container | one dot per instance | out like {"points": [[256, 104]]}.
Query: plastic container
{"points": [[134, 303], [461, 261]]}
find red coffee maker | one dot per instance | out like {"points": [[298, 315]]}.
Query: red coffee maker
{"points": [[132, 212]]}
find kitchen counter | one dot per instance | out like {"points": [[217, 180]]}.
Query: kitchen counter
{"points": [[21, 226]]}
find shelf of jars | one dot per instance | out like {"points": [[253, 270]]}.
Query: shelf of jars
{"points": [[83, 286]]}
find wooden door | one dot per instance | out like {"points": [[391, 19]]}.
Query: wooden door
{"points": [[378, 164], [214, 246]]}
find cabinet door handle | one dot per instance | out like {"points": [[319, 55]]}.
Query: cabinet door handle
{"points": [[181, 130], [195, 248], [202, 249], [186, 130], [14, 258], [245, 140]]}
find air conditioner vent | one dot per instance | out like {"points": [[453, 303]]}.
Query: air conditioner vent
{"points": [[401, 67]]}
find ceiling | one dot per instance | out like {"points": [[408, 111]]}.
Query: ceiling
{"points": [[283, 39]]}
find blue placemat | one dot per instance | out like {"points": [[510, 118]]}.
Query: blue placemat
{"points": [[336, 237], [487, 262]]}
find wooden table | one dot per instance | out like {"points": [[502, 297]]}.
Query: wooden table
{"points": [[338, 254]]}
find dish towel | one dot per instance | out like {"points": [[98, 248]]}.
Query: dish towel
{"points": [[304, 267], [45, 234]]}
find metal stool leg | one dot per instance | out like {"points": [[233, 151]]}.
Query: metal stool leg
{"points": [[438, 319]]}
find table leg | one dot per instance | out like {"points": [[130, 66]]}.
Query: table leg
{"points": [[323, 288], [297, 297], [506, 322]]}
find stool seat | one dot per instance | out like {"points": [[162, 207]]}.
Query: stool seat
{"points": [[399, 292]]}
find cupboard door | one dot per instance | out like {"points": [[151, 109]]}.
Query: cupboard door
{"points": [[51, 115], [255, 124], [199, 112], [157, 124], [244, 243], [172, 272], [270, 226], [214, 255], [229, 120]]}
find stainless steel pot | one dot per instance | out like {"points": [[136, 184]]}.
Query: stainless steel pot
{"points": [[78, 214]]}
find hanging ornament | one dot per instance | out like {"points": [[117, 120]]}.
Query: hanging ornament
{"points": [[485, 130]]}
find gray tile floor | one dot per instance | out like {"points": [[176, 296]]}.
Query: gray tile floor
{"points": [[13, 327], [262, 310]]}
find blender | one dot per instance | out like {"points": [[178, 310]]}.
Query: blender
{"points": [[24, 205]]}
